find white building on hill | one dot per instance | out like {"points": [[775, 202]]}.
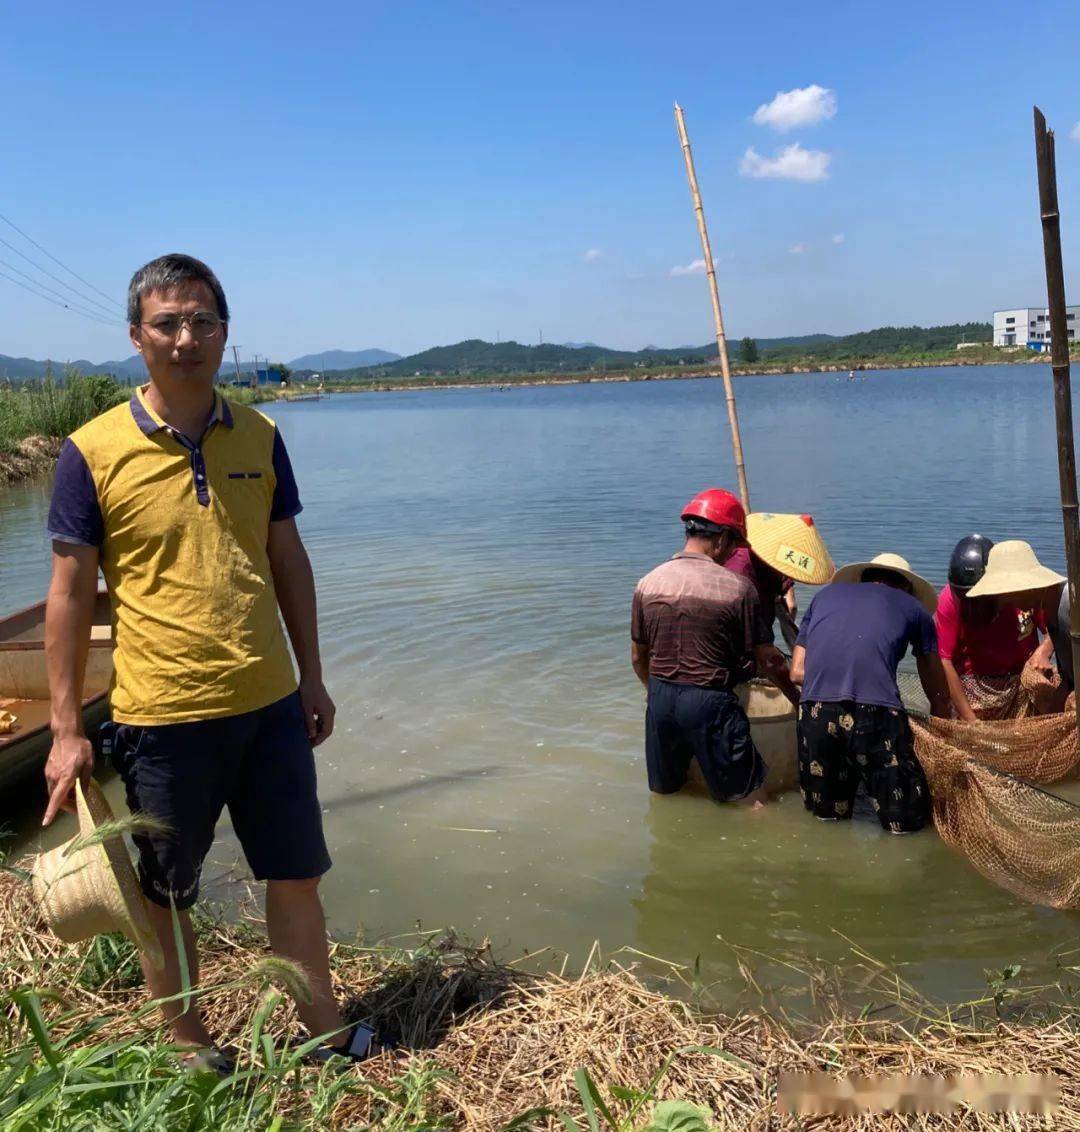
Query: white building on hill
{"points": [[1030, 326]]}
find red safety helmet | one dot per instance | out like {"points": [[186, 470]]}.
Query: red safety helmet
{"points": [[718, 507]]}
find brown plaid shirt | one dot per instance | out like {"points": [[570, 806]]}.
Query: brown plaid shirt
{"points": [[699, 621]]}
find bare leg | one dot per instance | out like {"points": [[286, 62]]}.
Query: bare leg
{"points": [[186, 1025], [297, 929]]}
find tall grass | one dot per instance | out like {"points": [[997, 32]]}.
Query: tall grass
{"points": [[54, 409]]}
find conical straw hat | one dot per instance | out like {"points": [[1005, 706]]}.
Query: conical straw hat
{"points": [[1012, 568], [790, 544], [922, 591], [87, 885]]}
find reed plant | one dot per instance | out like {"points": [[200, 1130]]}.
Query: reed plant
{"points": [[52, 409]]}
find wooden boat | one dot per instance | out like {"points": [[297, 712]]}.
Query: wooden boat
{"points": [[24, 686]]}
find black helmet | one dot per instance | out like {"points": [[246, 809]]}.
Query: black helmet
{"points": [[968, 562]]}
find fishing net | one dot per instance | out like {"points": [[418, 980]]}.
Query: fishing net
{"points": [[985, 780]]}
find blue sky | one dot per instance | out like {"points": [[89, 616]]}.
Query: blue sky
{"points": [[404, 175]]}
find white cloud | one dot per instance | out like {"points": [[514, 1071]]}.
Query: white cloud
{"points": [[1074, 133], [694, 267], [838, 238], [792, 163], [804, 106], [592, 255], [798, 249]]}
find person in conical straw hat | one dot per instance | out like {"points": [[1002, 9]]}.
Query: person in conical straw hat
{"points": [[88, 886], [852, 724], [781, 550], [986, 637]]}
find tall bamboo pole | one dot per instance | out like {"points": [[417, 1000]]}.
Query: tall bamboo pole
{"points": [[1059, 361], [718, 318]]}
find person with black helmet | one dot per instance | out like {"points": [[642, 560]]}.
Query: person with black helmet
{"points": [[984, 642], [696, 631]]}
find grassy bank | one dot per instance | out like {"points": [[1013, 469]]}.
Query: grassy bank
{"points": [[484, 1045], [36, 416]]}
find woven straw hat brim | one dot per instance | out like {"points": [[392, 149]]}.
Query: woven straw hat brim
{"points": [[86, 890], [791, 546], [1007, 583], [922, 591], [1013, 568]]}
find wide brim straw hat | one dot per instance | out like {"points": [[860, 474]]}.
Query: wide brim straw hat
{"points": [[87, 886], [1012, 568], [920, 587], [791, 545]]}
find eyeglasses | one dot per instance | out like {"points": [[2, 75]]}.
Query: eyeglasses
{"points": [[202, 324]]}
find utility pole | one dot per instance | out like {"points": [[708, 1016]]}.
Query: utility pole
{"points": [[255, 375], [236, 362]]}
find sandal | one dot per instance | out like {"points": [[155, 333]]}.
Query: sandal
{"points": [[208, 1059], [361, 1043]]}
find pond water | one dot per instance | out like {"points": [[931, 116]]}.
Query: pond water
{"points": [[476, 552]]}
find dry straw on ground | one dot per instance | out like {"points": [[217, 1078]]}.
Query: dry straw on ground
{"points": [[513, 1040]]}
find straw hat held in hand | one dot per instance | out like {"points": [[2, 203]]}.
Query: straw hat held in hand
{"points": [[87, 886]]}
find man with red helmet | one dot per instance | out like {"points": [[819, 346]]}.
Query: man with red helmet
{"points": [[696, 631]]}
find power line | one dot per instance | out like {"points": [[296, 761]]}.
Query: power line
{"points": [[55, 303], [85, 282], [62, 297], [45, 271]]}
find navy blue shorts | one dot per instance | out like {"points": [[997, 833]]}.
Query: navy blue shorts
{"points": [[259, 764], [684, 722]]}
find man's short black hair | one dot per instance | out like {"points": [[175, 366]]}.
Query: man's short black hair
{"points": [[168, 272], [887, 577], [703, 528]]}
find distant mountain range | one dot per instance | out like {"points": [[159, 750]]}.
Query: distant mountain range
{"points": [[342, 359], [19, 369], [475, 356]]}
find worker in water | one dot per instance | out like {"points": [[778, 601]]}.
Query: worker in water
{"points": [[1060, 626], [696, 632], [984, 642], [989, 631], [852, 724], [781, 550]]}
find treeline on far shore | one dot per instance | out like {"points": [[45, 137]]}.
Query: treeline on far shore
{"points": [[375, 380]]}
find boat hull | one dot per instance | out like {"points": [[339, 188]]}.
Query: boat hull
{"points": [[24, 687]]}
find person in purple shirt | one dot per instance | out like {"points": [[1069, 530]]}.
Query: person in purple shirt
{"points": [[852, 724]]}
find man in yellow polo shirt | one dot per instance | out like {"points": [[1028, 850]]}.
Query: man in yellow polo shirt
{"points": [[187, 504]]}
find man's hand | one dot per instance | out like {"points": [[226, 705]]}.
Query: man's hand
{"points": [[71, 758], [772, 664], [318, 710]]}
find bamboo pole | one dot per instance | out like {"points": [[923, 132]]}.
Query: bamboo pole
{"points": [[1059, 360], [718, 317]]}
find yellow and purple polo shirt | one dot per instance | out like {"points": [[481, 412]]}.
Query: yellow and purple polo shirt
{"points": [[182, 529]]}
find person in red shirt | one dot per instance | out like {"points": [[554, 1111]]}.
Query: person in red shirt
{"points": [[984, 642]]}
